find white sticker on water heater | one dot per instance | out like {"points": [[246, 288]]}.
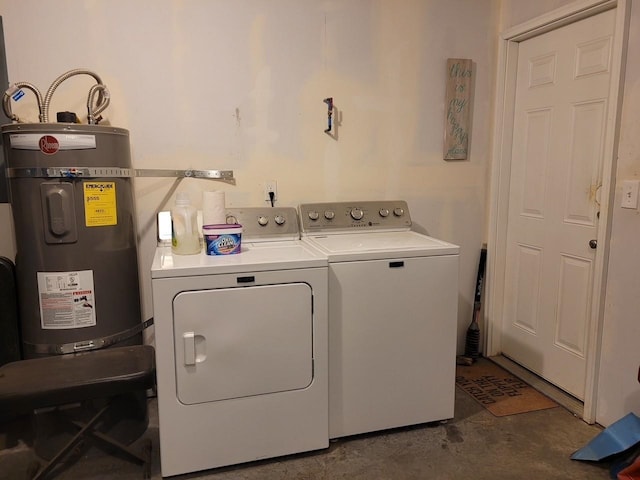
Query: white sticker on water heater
{"points": [[65, 141], [67, 299]]}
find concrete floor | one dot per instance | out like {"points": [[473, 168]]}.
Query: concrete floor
{"points": [[474, 445]]}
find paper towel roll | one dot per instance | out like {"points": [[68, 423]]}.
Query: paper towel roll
{"points": [[213, 208]]}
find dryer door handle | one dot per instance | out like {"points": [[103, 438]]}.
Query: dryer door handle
{"points": [[189, 340]]}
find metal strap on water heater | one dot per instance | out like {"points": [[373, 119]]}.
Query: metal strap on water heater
{"points": [[114, 172], [84, 345]]}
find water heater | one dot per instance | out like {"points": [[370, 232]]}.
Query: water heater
{"points": [[73, 210]]}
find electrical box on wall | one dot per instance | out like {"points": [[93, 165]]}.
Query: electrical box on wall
{"points": [[630, 193], [4, 80]]}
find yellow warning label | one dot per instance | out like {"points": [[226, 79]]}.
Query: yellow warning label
{"points": [[100, 204]]}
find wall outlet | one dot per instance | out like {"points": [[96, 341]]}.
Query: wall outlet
{"points": [[270, 186], [630, 193]]}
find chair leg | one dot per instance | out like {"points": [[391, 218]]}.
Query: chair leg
{"points": [[146, 453], [114, 443], [88, 429], [143, 458], [67, 448]]}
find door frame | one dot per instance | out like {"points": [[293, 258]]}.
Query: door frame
{"points": [[504, 110]]}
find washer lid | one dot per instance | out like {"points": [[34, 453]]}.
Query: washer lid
{"points": [[377, 245], [254, 257]]}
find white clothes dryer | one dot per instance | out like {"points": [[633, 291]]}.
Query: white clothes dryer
{"points": [[393, 296], [241, 347]]}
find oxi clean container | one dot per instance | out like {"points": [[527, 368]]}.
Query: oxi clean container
{"points": [[222, 239]]}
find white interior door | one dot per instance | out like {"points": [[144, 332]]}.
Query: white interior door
{"points": [[556, 170]]}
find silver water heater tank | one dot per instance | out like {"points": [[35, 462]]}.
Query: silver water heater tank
{"points": [[73, 209]]}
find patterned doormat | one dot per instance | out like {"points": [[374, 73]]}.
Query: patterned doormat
{"points": [[498, 391]]}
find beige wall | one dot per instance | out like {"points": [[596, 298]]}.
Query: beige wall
{"points": [[514, 12], [216, 84]]}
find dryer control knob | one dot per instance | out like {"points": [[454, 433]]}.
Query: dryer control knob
{"points": [[398, 212], [329, 214], [279, 220], [384, 212], [356, 213], [262, 220], [231, 220], [313, 215]]}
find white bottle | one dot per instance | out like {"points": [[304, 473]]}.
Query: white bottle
{"points": [[185, 236]]}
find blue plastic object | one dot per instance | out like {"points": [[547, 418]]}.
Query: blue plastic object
{"points": [[617, 438]]}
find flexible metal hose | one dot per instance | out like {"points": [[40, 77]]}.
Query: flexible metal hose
{"points": [[6, 101], [93, 112], [56, 83]]}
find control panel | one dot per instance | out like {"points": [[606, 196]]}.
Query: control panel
{"points": [[265, 222], [354, 216], [280, 223]]}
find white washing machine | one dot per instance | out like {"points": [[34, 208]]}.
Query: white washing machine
{"points": [[393, 296], [241, 347]]}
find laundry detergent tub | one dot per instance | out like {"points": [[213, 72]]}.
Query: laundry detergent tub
{"points": [[224, 239]]}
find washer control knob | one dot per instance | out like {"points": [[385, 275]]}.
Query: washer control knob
{"points": [[279, 220], [356, 213], [262, 220], [329, 214], [398, 212], [231, 220], [313, 215], [384, 212]]}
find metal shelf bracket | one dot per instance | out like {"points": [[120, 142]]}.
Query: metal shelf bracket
{"points": [[115, 172]]}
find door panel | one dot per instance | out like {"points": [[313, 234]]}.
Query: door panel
{"points": [[391, 343], [529, 265], [587, 134], [575, 280], [239, 342], [536, 159], [559, 129]]}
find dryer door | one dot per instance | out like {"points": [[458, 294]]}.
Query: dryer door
{"points": [[240, 342]]}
